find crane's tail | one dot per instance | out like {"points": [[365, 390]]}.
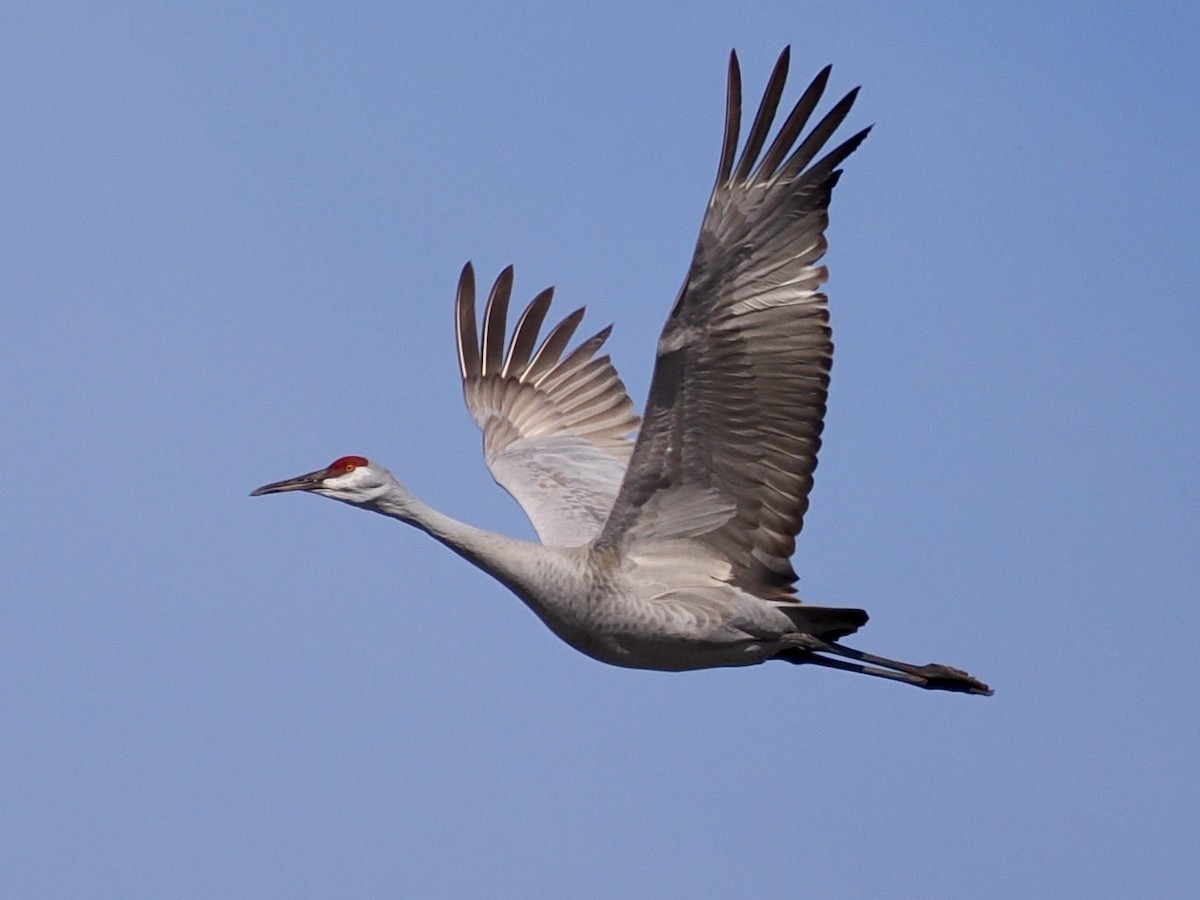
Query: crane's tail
{"points": [[829, 623]]}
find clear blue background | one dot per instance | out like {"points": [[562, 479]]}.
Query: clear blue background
{"points": [[231, 233]]}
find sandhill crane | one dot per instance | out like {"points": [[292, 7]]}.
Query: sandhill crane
{"points": [[670, 551]]}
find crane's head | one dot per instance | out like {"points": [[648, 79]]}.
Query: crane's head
{"points": [[351, 479]]}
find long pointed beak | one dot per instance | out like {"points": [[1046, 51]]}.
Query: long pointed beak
{"points": [[301, 483]]}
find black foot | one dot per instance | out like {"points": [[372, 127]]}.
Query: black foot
{"points": [[946, 678]]}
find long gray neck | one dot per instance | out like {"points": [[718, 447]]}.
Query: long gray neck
{"points": [[511, 561]]}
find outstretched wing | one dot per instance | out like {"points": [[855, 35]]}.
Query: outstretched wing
{"points": [[556, 429], [733, 421]]}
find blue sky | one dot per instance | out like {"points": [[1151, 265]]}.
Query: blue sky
{"points": [[232, 233]]}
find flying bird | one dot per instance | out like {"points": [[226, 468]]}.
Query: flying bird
{"points": [[670, 549]]}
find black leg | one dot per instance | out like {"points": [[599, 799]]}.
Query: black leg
{"points": [[933, 677]]}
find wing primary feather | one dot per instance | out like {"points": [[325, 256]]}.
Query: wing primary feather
{"points": [[525, 334], [765, 116], [794, 124], [577, 358], [464, 324], [552, 347], [837, 155], [495, 315], [585, 376], [733, 118], [816, 139]]}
